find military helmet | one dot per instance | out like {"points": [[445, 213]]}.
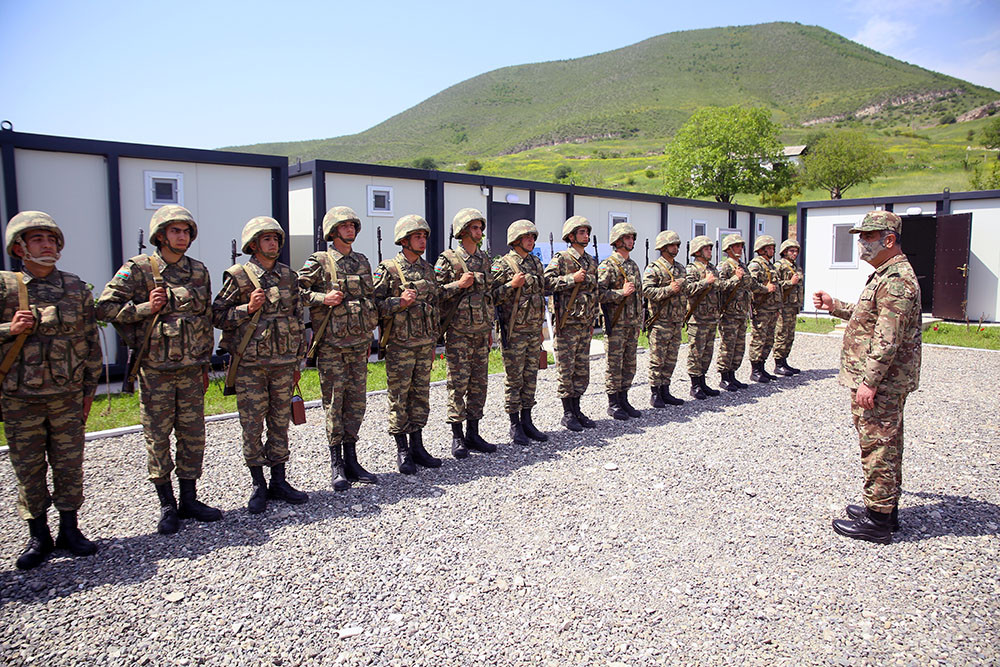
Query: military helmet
{"points": [[788, 243], [167, 214], [878, 220], [730, 240], [762, 242], [28, 220], [667, 237], [572, 224], [463, 219], [257, 226], [519, 228], [407, 225], [699, 242], [337, 215], [620, 230]]}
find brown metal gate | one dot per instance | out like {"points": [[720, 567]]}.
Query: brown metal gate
{"points": [[951, 265]]}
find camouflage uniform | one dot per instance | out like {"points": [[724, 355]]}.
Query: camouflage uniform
{"points": [[667, 308], [793, 296], [734, 296], [765, 310], [704, 318], [520, 353], [572, 342], [621, 342]]}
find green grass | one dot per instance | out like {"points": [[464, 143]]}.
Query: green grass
{"points": [[961, 335], [820, 325]]}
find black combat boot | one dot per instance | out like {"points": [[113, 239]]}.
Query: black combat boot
{"points": [[569, 419], [758, 374], [626, 406], [724, 382], [872, 527], [353, 469], [169, 523], [615, 408], [656, 398], [403, 458], [517, 433], [734, 381], [280, 489], [338, 480], [39, 544], [584, 420], [420, 455], [458, 444], [696, 390], [705, 388], [789, 367], [857, 512], [70, 537], [667, 397], [763, 370], [475, 441], [529, 427], [780, 368], [192, 508], [258, 499]]}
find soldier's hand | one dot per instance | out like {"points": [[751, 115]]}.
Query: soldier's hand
{"points": [[517, 281], [771, 287], [865, 396], [333, 298], [257, 298], [796, 279], [710, 278], [822, 301], [629, 289], [739, 272], [88, 401], [676, 285], [407, 298], [579, 276], [23, 321], [157, 299], [466, 280]]}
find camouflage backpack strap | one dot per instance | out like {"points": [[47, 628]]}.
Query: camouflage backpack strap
{"points": [[331, 266], [237, 357], [457, 263], [15, 349], [614, 258], [513, 264]]}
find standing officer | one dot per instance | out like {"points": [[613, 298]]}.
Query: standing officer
{"points": [[790, 279], [618, 276], [337, 287], [260, 316], [466, 284], [161, 305], [50, 370], [571, 277], [880, 364], [766, 303], [407, 295], [734, 295], [702, 315], [519, 288], [663, 285]]}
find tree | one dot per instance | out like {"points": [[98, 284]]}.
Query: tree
{"points": [[720, 152], [473, 165], [841, 160], [425, 163], [990, 135], [562, 171]]}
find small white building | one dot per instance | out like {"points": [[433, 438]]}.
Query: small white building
{"points": [[952, 239]]}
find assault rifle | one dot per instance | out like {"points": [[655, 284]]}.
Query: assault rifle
{"points": [[380, 350], [128, 384]]}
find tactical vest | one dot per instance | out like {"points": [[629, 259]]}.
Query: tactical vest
{"points": [[764, 274], [584, 307], [734, 301], [530, 306], [623, 271], [474, 312], [278, 332], [707, 308], [675, 307], [794, 296], [418, 324]]}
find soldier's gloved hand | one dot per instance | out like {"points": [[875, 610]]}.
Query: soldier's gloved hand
{"points": [[466, 280], [822, 301], [795, 279], [517, 281], [333, 298], [710, 278], [579, 276], [771, 287], [629, 289], [257, 299], [407, 298], [157, 299], [23, 321]]}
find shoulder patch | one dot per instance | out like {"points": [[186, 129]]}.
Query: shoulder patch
{"points": [[379, 272], [124, 273]]}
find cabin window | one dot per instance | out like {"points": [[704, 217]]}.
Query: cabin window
{"points": [[843, 248], [163, 187], [699, 228], [380, 200], [616, 218]]}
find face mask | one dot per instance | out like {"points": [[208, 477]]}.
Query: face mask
{"points": [[867, 250]]}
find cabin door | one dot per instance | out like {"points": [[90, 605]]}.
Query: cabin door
{"points": [[951, 265]]}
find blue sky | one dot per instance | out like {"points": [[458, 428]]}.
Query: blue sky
{"points": [[216, 73]]}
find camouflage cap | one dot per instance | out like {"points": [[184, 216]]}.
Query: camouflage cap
{"points": [[519, 228], [730, 240], [572, 224], [28, 220], [667, 237], [699, 242], [620, 230], [167, 214], [762, 242], [337, 215], [462, 220], [257, 226], [878, 220], [407, 225], [788, 243]]}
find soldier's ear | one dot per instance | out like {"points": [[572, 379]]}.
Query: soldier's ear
{"points": [[18, 251]]}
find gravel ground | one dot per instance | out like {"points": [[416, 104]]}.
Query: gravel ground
{"points": [[698, 534]]}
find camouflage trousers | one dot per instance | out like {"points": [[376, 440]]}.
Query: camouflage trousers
{"points": [[620, 347], [43, 433], [784, 333], [408, 376], [520, 360], [343, 379], [880, 434], [468, 373], [664, 341], [762, 335], [173, 401], [572, 348], [701, 343], [732, 342], [265, 392]]}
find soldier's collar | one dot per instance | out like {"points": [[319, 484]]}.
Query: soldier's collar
{"points": [[54, 277], [259, 268], [463, 254], [895, 259], [415, 262], [572, 251], [336, 254], [180, 263]]}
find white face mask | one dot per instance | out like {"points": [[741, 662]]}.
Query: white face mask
{"points": [[868, 250]]}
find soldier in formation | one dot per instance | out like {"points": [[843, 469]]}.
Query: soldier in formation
{"points": [[702, 315], [49, 375], [619, 278], [790, 279], [665, 290], [734, 295], [260, 316], [766, 303]]}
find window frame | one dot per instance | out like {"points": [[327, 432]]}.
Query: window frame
{"points": [[834, 264], [380, 212], [611, 219], [150, 178], [694, 227]]}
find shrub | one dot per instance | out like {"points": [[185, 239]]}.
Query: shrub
{"points": [[473, 165], [562, 171]]}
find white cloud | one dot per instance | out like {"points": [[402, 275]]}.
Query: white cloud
{"points": [[885, 34], [983, 70]]}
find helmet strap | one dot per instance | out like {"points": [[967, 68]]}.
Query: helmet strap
{"points": [[28, 257]]}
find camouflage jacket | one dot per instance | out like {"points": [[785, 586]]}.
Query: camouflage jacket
{"points": [[611, 276], [559, 283], [763, 272], [183, 335], [700, 292], [474, 304], [62, 353], [352, 321], [734, 293], [792, 296], [883, 339], [418, 324], [277, 338], [530, 307], [656, 287]]}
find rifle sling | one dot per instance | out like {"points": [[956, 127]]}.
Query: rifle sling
{"points": [[572, 300], [387, 328], [621, 305], [154, 265], [459, 266], [331, 266], [15, 349], [234, 362], [517, 296]]}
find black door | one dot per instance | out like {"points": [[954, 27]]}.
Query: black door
{"points": [[951, 265], [501, 214]]}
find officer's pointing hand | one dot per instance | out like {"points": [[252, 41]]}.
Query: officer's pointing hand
{"points": [[23, 321], [466, 280], [407, 298], [822, 301], [257, 298], [629, 289], [158, 299], [579, 276], [517, 281], [333, 298]]}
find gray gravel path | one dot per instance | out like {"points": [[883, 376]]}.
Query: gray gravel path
{"points": [[694, 535]]}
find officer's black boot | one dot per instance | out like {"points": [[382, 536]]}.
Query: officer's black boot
{"points": [[758, 374], [258, 499], [475, 441], [614, 407], [569, 419], [780, 368], [517, 434], [39, 544], [667, 397], [873, 527], [338, 480], [705, 388], [626, 406], [696, 390], [420, 455], [724, 382], [169, 524], [403, 458], [280, 489], [70, 537], [352, 469], [584, 420], [655, 397], [737, 383], [857, 512], [458, 448], [192, 508], [529, 427]]}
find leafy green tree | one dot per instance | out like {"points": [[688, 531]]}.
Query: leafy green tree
{"points": [[562, 171], [841, 160], [425, 163], [720, 152], [985, 177], [473, 165], [990, 135]]}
